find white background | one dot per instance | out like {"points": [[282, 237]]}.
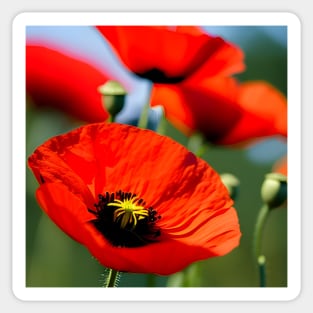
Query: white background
{"points": [[9, 10]]}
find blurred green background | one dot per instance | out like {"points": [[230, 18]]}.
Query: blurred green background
{"points": [[55, 260]]}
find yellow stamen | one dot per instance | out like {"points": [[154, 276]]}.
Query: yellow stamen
{"points": [[128, 212]]}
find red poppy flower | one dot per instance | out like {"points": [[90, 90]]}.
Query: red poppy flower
{"points": [[191, 74], [140, 202], [224, 110], [56, 80], [172, 54]]}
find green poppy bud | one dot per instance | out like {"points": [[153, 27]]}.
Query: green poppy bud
{"points": [[113, 96], [232, 183], [274, 190]]}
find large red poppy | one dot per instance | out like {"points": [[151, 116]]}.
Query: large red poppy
{"points": [[225, 111], [140, 202], [56, 80], [172, 54]]}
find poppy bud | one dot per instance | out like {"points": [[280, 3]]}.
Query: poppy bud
{"points": [[232, 183], [113, 96], [274, 190]]}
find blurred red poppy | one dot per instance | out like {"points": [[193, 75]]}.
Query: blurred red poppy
{"points": [[56, 80], [165, 54], [225, 111], [140, 202], [191, 75]]}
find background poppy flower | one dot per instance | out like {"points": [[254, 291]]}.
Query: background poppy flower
{"points": [[225, 111], [64, 71], [182, 214], [56, 80], [165, 54], [191, 75]]}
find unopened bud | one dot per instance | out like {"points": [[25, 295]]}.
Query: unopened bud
{"points": [[113, 96], [232, 183], [274, 190]]}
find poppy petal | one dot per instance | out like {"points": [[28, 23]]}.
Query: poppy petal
{"points": [[65, 209], [167, 55], [209, 107], [59, 81], [225, 111], [50, 163], [172, 254], [264, 113], [262, 99]]}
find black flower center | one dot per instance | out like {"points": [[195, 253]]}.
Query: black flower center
{"points": [[157, 76], [124, 219]]}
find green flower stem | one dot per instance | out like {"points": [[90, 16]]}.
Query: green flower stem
{"points": [[161, 129], [112, 278], [144, 117], [262, 270], [189, 277], [258, 236]]}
